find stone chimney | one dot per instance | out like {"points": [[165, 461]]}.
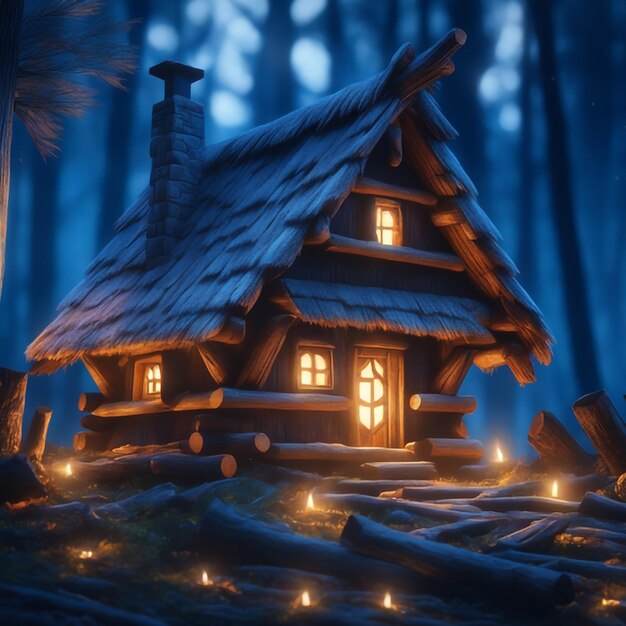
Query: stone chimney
{"points": [[175, 147]]}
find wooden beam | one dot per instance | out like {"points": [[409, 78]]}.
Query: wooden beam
{"points": [[233, 331], [398, 254], [371, 187], [227, 398], [263, 353], [335, 452], [131, 407], [453, 371], [215, 361], [88, 401], [438, 402], [106, 373]]}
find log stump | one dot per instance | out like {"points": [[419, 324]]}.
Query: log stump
{"points": [[604, 427], [12, 396], [35, 442]]}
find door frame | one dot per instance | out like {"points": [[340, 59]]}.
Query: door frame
{"points": [[394, 363]]}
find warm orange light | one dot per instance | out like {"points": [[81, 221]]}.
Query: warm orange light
{"points": [[206, 581], [68, 469], [387, 601], [305, 599], [310, 505], [555, 489], [499, 454], [609, 602], [86, 554]]}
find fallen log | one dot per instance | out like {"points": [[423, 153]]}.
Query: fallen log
{"points": [[35, 443], [449, 450], [149, 502], [604, 534], [12, 396], [404, 470], [595, 505], [484, 471], [455, 531], [527, 586], [534, 504], [536, 537], [604, 427], [574, 488], [235, 538], [580, 567], [90, 441], [188, 468], [429, 493], [369, 504], [334, 452], [527, 488], [43, 602], [555, 445], [18, 482], [89, 401], [372, 487], [239, 444], [620, 488]]}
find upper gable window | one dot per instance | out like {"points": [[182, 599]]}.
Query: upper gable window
{"points": [[315, 367], [388, 223]]}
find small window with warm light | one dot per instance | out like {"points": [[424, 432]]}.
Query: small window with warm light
{"points": [[315, 367], [151, 380], [388, 223]]}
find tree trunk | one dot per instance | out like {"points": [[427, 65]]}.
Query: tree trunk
{"points": [[12, 396], [10, 25], [524, 585], [35, 443], [577, 304]]}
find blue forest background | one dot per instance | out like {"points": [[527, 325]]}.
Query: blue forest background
{"points": [[539, 99]]}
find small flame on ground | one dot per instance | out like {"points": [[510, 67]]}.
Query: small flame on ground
{"points": [[610, 602], [499, 454], [555, 489], [86, 554], [68, 469], [310, 505], [305, 599], [206, 581], [387, 601]]}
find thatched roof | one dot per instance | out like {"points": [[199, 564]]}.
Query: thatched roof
{"points": [[335, 305], [259, 195]]}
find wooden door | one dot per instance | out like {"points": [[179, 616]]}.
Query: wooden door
{"points": [[378, 389]]}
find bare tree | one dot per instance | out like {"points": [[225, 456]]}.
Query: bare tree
{"points": [[45, 54], [562, 202]]}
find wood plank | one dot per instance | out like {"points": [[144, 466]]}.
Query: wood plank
{"points": [[335, 452], [106, 374], [449, 378], [398, 254], [371, 187], [438, 402], [263, 352], [216, 361], [228, 398]]}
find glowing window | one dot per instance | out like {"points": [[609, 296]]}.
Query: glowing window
{"points": [[372, 393], [388, 224], [151, 379], [316, 369]]}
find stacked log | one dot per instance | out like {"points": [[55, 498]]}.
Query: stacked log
{"points": [[450, 450], [89, 441], [188, 468], [405, 470], [239, 444]]}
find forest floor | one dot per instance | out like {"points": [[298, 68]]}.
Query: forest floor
{"points": [[142, 562]]}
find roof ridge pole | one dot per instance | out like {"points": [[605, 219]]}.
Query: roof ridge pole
{"points": [[175, 148], [431, 65]]}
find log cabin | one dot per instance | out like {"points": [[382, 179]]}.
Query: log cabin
{"points": [[329, 276]]}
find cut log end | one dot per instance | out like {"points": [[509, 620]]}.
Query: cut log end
{"points": [[196, 441], [460, 36], [590, 398], [228, 466], [262, 442]]}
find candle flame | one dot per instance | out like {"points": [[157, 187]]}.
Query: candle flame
{"points": [[68, 469], [310, 505], [86, 554], [387, 601], [609, 602], [555, 489], [206, 581], [499, 454], [305, 598]]}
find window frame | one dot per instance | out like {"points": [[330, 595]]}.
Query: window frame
{"points": [[395, 208], [139, 373], [323, 349]]}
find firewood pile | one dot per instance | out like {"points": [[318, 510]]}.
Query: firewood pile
{"points": [[237, 529]]}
